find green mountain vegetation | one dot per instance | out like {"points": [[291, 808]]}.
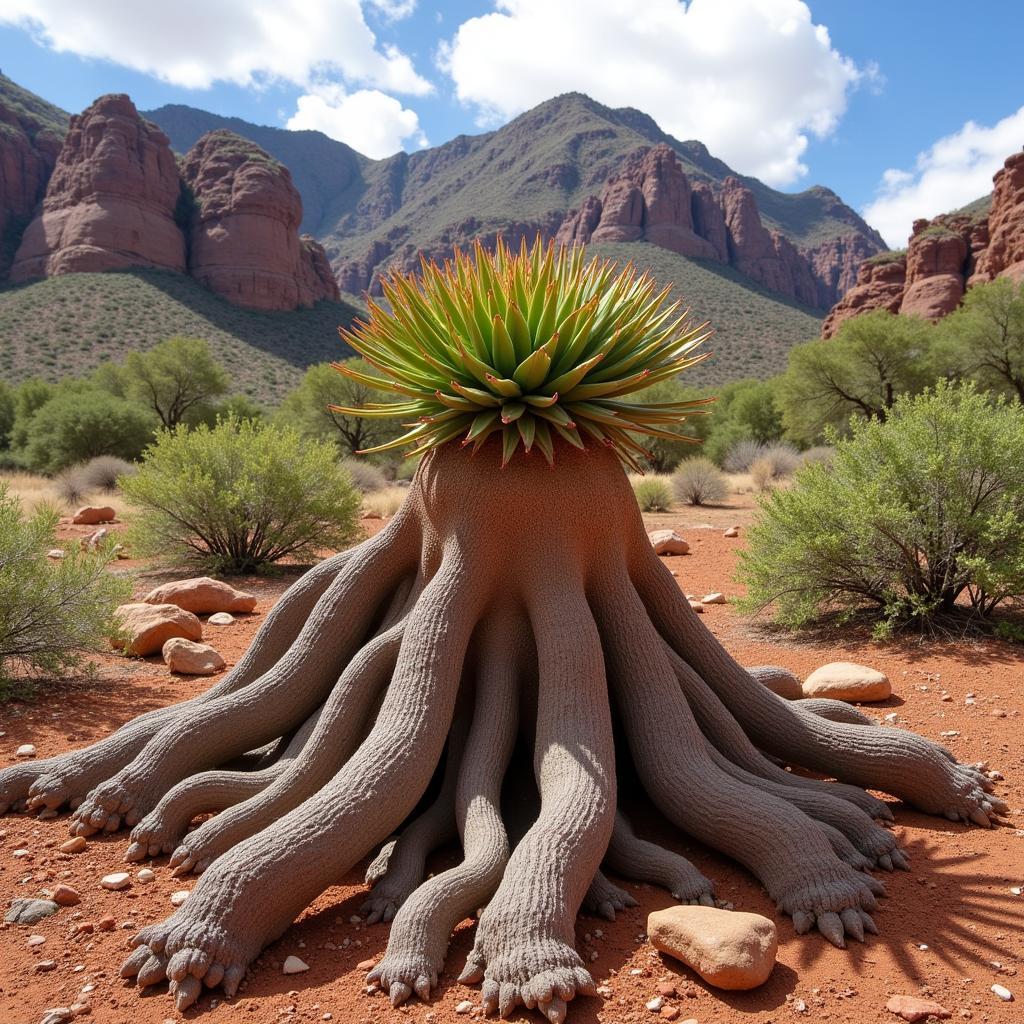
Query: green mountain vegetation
{"points": [[754, 328], [65, 326], [31, 110]]}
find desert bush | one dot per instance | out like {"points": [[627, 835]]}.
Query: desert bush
{"points": [[819, 453], [365, 475], [71, 485], [742, 455], [76, 425], [103, 472], [699, 482], [52, 612], [919, 517], [653, 493], [239, 496]]}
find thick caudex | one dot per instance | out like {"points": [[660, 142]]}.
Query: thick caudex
{"points": [[511, 614]]}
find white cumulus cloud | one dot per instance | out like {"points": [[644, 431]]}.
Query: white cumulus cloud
{"points": [[368, 120], [194, 43], [951, 173], [752, 79]]}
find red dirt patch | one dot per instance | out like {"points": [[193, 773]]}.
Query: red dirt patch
{"points": [[950, 930]]}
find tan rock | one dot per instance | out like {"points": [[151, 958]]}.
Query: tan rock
{"points": [[65, 896], [668, 542], [733, 531], [202, 596], [221, 619], [728, 949], [91, 515], [55, 553], [75, 845], [913, 1008], [778, 680], [843, 680], [94, 540], [715, 598], [697, 607], [147, 627], [192, 659]]}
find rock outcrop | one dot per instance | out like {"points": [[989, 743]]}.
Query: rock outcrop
{"points": [[111, 199], [880, 283], [244, 229], [945, 256], [28, 153], [1004, 254]]}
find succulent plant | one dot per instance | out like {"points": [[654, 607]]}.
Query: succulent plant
{"points": [[534, 345]]}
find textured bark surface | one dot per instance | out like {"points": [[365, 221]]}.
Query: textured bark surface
{"points": [[381, 704]]}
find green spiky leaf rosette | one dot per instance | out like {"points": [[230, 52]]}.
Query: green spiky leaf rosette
{"points": [[532, 345]]}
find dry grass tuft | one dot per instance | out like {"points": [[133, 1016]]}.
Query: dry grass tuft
{"points": [[385, 502]]}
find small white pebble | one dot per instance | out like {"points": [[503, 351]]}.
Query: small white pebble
{"points": [[950, 733], [179, 897], [464, 1007], [20, 853], [636, 972], [26, 750], [655, 1004], [604, 991], [118, 880], [35, 940], [1003, 993], [922, 945], [146, 875], [293, 965], [221, 619], [1016, 890], [598, 934], [355, 919], [892, 717]]}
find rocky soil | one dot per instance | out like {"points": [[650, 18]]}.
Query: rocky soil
{"points": [[949, 932]]}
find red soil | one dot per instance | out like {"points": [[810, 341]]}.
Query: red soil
{"points": [[951, 929]]}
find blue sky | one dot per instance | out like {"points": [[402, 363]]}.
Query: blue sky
{"points": [[905, 109]]}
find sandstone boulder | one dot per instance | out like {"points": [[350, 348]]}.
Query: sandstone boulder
{"points": [[111, 199], [90, 515], [880, 284], [146, 628], [1004, 254], [844, 680], [202, 596], [245, 243], [778, 680], [728, 949], [668, 542], [936, 265], [913, 1008], [191, 659]]}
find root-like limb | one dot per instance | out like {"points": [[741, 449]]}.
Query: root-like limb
{"points": [[399, 868], [891, 760], [422, 928], [770, 836], [276, 702], [341, 725], [524, 950], [251, 895], [632, 857], [67, 778], [160, 831], [836, 711], [604, 898]]}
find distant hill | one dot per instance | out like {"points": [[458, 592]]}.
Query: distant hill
{"points": [[30, 109], [68, 325], [754, 329]]}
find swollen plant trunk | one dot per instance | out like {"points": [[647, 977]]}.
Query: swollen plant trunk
{"points": [[524, 601]]}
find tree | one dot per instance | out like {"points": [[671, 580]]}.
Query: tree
{"points": [[919, 518], [516, 574], [7, 409], [984, 337], [870, 361], [29, 396], [174, 378], [746, 410], [79, 423], [309, 410]]}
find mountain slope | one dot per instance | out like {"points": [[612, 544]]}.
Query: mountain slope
{"points": [[65, 326], [754, 329]]}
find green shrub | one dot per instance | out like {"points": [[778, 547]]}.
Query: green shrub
{"points": [[51, 611], [365, 475], [699, 482], [239, 496], [6, 415], [78, 424], [918, 518], [653, 494]]}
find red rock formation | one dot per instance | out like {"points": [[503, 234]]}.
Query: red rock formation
{"points": [[578, 227], [27, 156], [709, 221], [936, 262], [767, 257], [880, 284], [245, 243], [835, 264], [110, 201], [1004, 255]]}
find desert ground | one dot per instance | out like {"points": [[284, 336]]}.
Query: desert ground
{"points": [[951, 928]]}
